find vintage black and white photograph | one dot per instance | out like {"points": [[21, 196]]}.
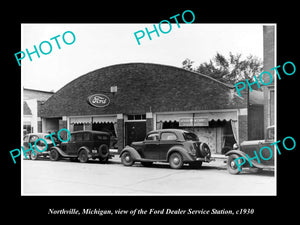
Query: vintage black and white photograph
{"points": [[167, 109]]}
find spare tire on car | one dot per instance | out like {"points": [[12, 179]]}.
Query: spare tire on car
{"points": [[103, 151], [205, 150]]}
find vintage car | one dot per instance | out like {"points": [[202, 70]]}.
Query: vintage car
{"points": [[31, 138], [83, 145], [248, 147], [167, 145]]}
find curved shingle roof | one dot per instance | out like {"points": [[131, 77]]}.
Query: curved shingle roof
{"points": [[142, 87]]}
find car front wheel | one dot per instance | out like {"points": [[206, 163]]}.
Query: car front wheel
{"points": [[127, 159], [33, 156], [83, 156], [54, 155], [231, 164], [176, 160]]}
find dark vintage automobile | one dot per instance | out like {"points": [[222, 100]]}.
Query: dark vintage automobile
{"points": [[31, 138], [83, 145], [248, 147], [167, 145]]}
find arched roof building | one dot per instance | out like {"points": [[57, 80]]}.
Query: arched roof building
{"points": [[149, 96]]}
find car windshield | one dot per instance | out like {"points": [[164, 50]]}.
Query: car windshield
{"points": [[188, 136]]}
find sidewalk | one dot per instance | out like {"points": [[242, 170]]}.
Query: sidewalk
{"points": [[218, 159]]}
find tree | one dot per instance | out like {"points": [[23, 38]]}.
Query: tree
{"points": [[228, 70], [187, 64]]}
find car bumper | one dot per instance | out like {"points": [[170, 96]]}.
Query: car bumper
{"points": [[195, 158], [95, 154], [205, 159]]}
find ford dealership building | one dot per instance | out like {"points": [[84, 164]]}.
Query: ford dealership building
{"points": [[128, 100]]}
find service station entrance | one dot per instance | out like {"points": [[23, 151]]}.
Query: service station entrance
{"points": [[135, 128]]}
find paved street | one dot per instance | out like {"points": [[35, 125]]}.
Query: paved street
{"points": [[44, 177]]}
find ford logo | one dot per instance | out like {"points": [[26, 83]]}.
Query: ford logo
{"points": [[98, 100]]}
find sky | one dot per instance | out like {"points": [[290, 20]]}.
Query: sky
{"points": [[100, 45]]}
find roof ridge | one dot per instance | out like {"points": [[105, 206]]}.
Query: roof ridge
{"points": [[165, 65], [214, 79]]}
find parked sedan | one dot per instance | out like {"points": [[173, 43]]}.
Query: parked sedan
{"points": [[167, 145], [31, 138]]}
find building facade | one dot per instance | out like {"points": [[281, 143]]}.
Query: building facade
{"points": [[31, 99], [128, 100], [269, 62]]}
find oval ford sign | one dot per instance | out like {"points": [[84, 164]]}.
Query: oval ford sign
{"points": [[98, 100]]}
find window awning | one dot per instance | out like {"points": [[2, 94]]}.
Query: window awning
{"points": [[230, 115], [96, 119], [105, 119], [77, 120]]}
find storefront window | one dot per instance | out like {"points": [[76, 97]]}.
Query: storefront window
{"points": [[109, 128], [106, 127], [170, 124], [27, 129], [218, 134], [78, 127]]}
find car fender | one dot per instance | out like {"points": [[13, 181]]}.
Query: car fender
{"points": [[182, 151], [85, 148], [132, 151], [62, 153], [242, 154], [237, 152]]}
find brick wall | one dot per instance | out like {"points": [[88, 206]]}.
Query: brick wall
{"points": [[63, 124], [120, 131], [243, 128], [149, 124]]}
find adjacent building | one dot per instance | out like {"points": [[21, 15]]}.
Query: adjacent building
{"points": [[31, 99], [269, 62]]}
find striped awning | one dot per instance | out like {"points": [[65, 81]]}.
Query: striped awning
{"points": [[105, 119], [78, 120], [227, 115], [94, 119]]}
